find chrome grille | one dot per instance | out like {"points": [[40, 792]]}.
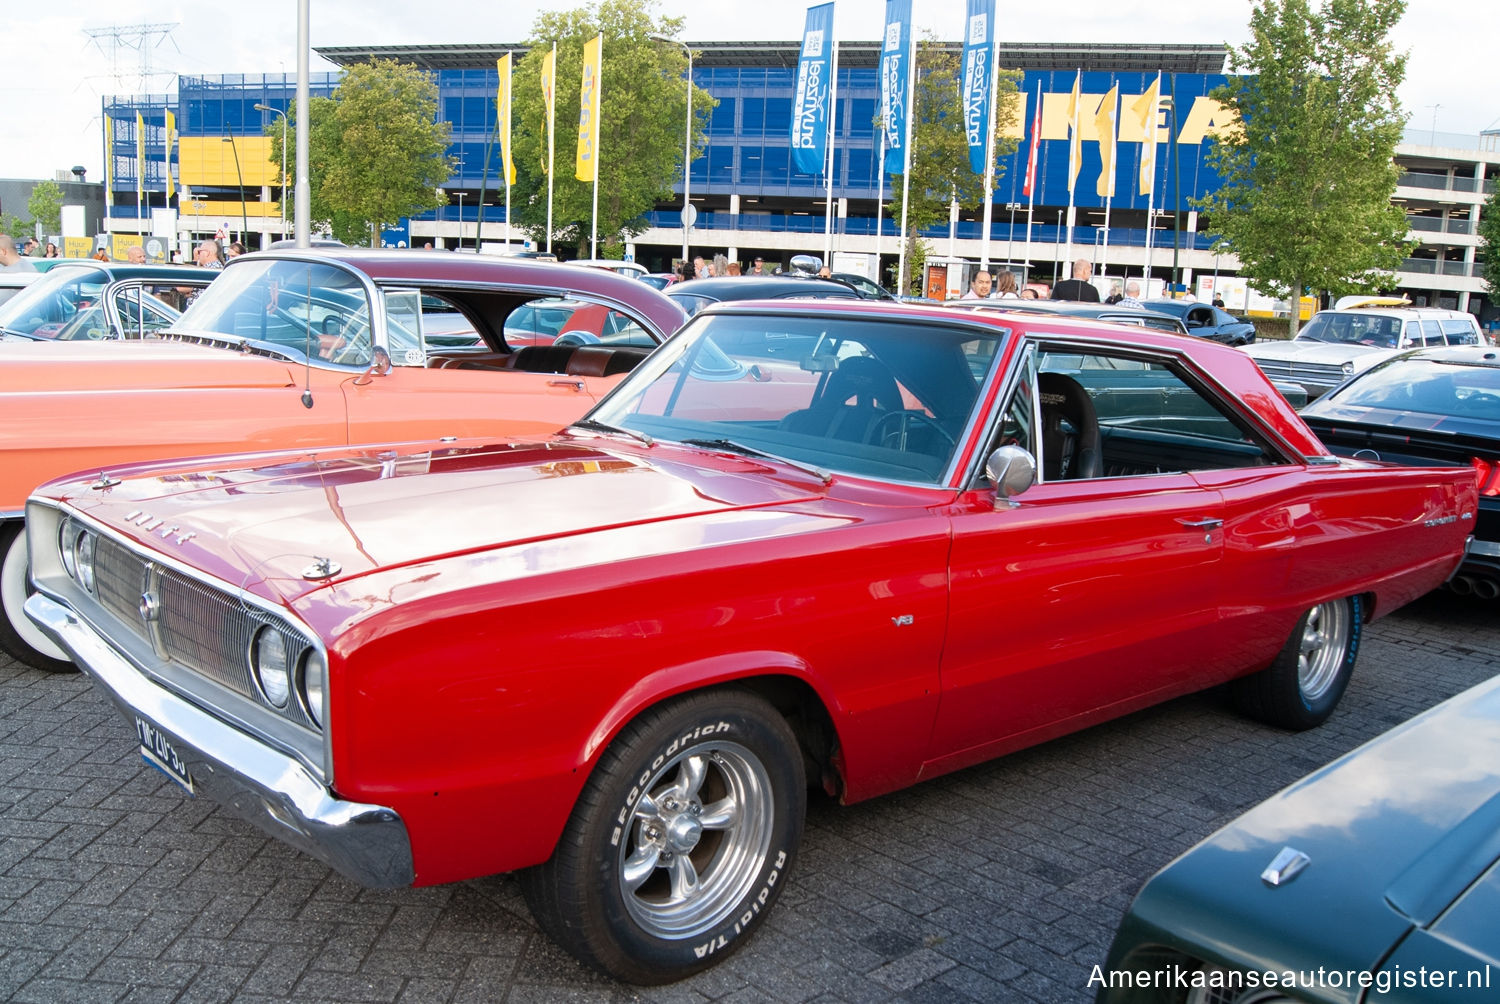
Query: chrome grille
{"points": [[1323, 374], [201, 628]]}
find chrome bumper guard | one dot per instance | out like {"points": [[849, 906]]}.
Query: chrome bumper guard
{"points": [[367, 843]]}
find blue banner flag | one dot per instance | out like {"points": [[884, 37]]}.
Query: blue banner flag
{"points": [[894, 69], [810, 100], [977, 83]]}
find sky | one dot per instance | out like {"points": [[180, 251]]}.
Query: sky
{"points": [[51, 101]]}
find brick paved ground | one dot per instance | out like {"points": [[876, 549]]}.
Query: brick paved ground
{"points": [[1001, 883]]}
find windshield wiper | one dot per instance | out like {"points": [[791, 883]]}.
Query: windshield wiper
{"points": [[594, 425], [730, 446]]}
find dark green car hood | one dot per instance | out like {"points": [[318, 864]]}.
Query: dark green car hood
{"points": [[1403, 837]]}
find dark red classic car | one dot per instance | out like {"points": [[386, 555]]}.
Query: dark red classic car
{"points": [[847, 545]]}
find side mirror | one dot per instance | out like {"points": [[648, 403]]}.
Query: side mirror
{"points": [[380, 365], [1011, 470]]}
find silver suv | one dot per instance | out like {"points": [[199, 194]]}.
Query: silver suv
{"points": [[1338, 343]]}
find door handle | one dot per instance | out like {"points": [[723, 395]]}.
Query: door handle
{"points": [[1207, 523], [575, 384]]}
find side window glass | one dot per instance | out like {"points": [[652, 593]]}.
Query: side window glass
{"points": [[403, 326], [1018, 423], [1150, 420], [1432, 334]]}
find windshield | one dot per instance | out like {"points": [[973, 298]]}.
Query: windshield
{"points": [[1427, 386], [303, 307], [862, 396], [1383, 332], [50, 302]]}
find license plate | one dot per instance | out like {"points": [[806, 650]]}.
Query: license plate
{"points": [[157, 750]]}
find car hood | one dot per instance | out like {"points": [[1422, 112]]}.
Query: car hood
{"points": [[42, 367], [1308, 351], [376, 508], [1397, 833]]}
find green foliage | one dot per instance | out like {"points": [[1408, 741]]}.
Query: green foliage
{"points": [[940, 170], [13, 225], [1489, 242], [1309, 172], [376, 150], [642, 116], [45, 206]]}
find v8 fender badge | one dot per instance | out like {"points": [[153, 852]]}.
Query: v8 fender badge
{"points": [[905, 620]]}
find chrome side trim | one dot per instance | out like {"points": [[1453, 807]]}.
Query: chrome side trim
{"points": [[274, 791]]}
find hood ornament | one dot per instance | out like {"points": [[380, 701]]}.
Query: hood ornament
{"points": [[322, 568], [104, 481]]}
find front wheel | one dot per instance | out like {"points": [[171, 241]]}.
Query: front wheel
{"points": [[18, 636], [680, 841], [1304, 683]]}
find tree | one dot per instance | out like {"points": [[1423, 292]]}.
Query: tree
{"points": [[940, 169], [45, 206], [642, 117], [1309, 170], [1489, 242], [376, 150]]}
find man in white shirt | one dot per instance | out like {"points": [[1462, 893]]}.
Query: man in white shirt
{"points": [[979, 286]]}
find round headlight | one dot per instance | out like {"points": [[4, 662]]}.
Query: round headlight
{"points": [[83, 559], [269, 660], [1348, 368], [65, 532], [314, 676]]}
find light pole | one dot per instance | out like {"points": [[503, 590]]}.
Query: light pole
{"points": [[278, 111], [687, 148], [1170, 101], [244, 217]]}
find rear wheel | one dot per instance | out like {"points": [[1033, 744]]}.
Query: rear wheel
{"points": [[680, 841], [1302, 686], [18, 636]]}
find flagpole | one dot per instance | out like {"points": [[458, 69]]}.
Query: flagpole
{"points": [[880, 202], [505, 156], [911, 113], [1031, 159], [598, 110], [551, 137], [1114, 147], [833, 106], [1151, 136], [1073, 141], [989, 166]]}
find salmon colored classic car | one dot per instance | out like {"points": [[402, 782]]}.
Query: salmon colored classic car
{"points": [[851, 545], [320, 348]]}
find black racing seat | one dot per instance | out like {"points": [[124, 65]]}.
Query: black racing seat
{"points": [[855, 397], [1070, 429]]}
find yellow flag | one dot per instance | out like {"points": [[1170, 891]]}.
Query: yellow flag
{"points": [[167, 159], [502, 119], [588, 111], [1107, 126], [1144, 108], [140, 157], [1075, 142], [549, 73]]}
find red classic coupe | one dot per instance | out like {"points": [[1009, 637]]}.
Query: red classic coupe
{"points": [[855, 545]]}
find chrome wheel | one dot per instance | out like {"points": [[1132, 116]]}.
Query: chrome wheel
{"points": [[697, 840], [1323, 649]]}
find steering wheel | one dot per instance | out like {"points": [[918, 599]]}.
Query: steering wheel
{"points": [[893, 429]]}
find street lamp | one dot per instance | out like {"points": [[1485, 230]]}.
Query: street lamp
{"points": [[278, 111], [687, 147], [244, 217]]}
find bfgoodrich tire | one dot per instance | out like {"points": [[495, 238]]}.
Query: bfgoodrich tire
{"points": [[18, 636], [680, 841], [1305, 682]]}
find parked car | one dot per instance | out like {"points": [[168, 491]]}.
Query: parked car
{"points": [[1336, 344], [1371, 879], [1429, 407], [856, 544], [93, 301], [696, 294], [631, 269], [866, 287], [659, 280], [1204, 320], [289, 349]]}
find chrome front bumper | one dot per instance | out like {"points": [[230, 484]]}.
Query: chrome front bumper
{"points": [[276, 792]]}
